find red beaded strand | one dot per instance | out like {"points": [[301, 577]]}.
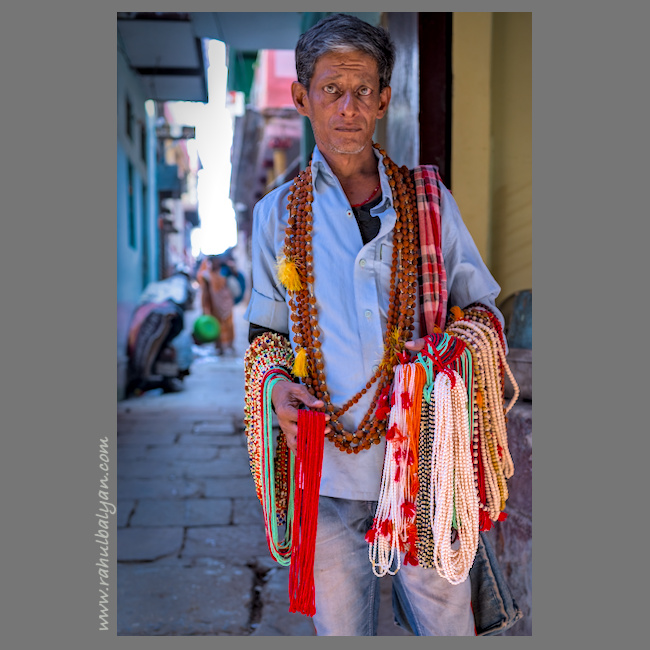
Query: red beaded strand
{"points": [[309, 462]]}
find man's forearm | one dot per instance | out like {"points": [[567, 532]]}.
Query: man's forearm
{"points": [[256, 330]]}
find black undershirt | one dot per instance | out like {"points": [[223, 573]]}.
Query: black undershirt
{"points": [[368, 227]]}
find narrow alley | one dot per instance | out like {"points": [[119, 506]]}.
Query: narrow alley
{"points": [[192, 555]]}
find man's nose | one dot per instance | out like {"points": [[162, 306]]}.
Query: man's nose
{"points": [[348, 104]]}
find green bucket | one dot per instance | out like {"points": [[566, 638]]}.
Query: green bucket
{"points": [[206, 328]]}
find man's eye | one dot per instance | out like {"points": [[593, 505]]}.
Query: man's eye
{"points": [[330, 89], [364, 91]]}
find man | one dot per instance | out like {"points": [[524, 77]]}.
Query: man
{"points": [[347, 238]]}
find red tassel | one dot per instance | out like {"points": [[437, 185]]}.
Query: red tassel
{"points": [[308, 466], [370, 535], [408, 509], [386, 527], [485, 521], [383, 396], [392, 432], [411, 534], [503, 516], [382, 413], [406, 400], [410, 558]]}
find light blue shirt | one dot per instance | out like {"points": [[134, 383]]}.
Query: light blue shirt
{"points": [[351, 285]]}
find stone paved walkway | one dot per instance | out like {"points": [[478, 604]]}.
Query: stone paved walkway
{"points": [[192, 554]]}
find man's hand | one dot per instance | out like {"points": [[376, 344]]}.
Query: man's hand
{"points": [[287, 397], [416, 345]]}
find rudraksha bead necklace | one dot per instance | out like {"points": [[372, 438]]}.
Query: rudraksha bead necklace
{"points": [[298, 256]]}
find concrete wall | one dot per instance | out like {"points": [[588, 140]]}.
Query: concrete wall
{"points": [[130, 272], [399, 130]]}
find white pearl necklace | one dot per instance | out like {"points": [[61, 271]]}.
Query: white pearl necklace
{"points": [[498, 465], [452, 481]]}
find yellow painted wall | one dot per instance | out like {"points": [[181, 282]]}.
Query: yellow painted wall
{"points": [[491, 160], [511, 246], [470, 122]]}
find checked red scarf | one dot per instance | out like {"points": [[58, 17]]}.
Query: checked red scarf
{"points": [[433, 285]]}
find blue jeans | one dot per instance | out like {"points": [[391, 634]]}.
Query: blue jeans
{"points": [[347, 591]]}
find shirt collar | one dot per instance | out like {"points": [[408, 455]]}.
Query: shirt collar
{"points": [[321, 171]]}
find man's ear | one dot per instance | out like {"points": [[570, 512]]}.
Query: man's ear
{"points": [[300, 98], [384, 100]]}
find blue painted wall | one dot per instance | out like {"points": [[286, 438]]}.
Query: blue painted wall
{"points": [[136, 241]]}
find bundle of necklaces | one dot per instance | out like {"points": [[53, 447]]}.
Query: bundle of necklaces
{"points": [[286, 485], [447, 458], [441, 412]]}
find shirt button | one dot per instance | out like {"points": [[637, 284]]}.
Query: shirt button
{"points": [[368, 313], [362, 262], [349, 213]]}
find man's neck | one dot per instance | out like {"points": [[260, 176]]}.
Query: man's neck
{"points": [[350, 167]]}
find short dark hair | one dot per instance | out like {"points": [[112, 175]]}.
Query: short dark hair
{"points": [[344, 32]]}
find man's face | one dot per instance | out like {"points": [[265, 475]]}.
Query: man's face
{"points": [[343, 102]]}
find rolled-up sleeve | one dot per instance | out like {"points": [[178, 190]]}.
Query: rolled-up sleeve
{"points": [[267, 306], [468, 278]]}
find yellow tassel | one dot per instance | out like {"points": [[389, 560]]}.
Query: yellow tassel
{"points": [[288, 274], [300, 364], [393, 346], [395, 339], [457, 313], [388, 362]]}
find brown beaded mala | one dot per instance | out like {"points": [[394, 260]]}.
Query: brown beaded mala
{"points": [[296, 272]]}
